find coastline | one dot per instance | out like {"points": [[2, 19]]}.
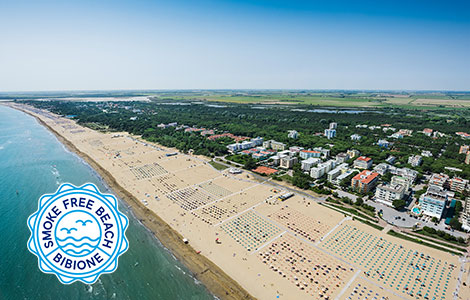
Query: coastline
{"points": [[212, 277]]}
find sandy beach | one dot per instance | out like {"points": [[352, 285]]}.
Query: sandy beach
{"points": [[243, 243]]}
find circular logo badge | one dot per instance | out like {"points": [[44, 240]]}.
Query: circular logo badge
{"points": [[78, 233]]}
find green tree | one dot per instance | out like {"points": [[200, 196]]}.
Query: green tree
{"points": [[399, 204], [455, 223], [250, 164]]}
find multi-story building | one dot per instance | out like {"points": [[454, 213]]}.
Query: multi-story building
{"points": [[356, 137], [382, 168], [391, 159], [318, 171], [309, 163], [401, 180], [322, 169], [439, 181], [341, 157], [458, 184], [386, 194], [363, 162], [330, 133], [296, 149], [292, 134], [415, 160], [288, 162], [433, 202], [464, 149], [427, 131], [324, 152], [276, 160], [278, 146], [333, 174], [383, 143], [333, 125], [365, 181], [343, 176], [466, 215], [353, 153], [257, 141], [305, 154], [426, 153]]}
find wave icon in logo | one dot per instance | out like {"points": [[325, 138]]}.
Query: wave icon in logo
{"points": [[78, 233]]}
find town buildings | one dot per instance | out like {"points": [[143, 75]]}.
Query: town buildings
{"points": [[433, 202], [322, 168], [466, 215], [463, 135], [341, 158], [458, 184], [356, 137], [427, 131], [353, 153], [330, 133], [363, 162], [308, 164], [467, 158], [272, 144], [386, 194], [439, 181], [245, 145], [333, 125], [383, 143], [401, 180], [340, 169], [415, 160], [305, 154], [365, 181], [292, 134], [288, 162], [426, 153], [295, 149], [324, 152], [464, 149]]}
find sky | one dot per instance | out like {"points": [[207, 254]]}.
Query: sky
{"points": [[177, 44]]}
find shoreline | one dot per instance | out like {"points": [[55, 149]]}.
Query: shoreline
{"points": [[208, 273]]}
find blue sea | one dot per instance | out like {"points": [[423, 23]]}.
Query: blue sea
{"points": [[33, 162]]}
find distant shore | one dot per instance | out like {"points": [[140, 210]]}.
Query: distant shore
{"points": [[213, 278]]}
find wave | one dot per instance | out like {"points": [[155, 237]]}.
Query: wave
{"points": [[78, 240], [78, 246], [73, 252]]}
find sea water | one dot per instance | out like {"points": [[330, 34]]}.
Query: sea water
{"points": [[33, 162]]}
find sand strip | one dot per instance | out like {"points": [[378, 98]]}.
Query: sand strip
{"points": [[214, 278]]}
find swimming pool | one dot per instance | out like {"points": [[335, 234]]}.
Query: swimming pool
{"points": [[416, 210]]}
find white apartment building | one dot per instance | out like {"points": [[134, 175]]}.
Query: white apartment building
{"points": [[466, 215], [330, 133], [404, 181], [333, 174], [288, 162], [309, 163], [356, 137], [433, 202], [278, 146], [415, 160], [386, 194], [292, 134]]}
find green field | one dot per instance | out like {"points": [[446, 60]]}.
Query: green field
{"points": [[330, 99]]}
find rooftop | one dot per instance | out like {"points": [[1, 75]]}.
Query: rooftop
{"points": [[366, 176]]}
